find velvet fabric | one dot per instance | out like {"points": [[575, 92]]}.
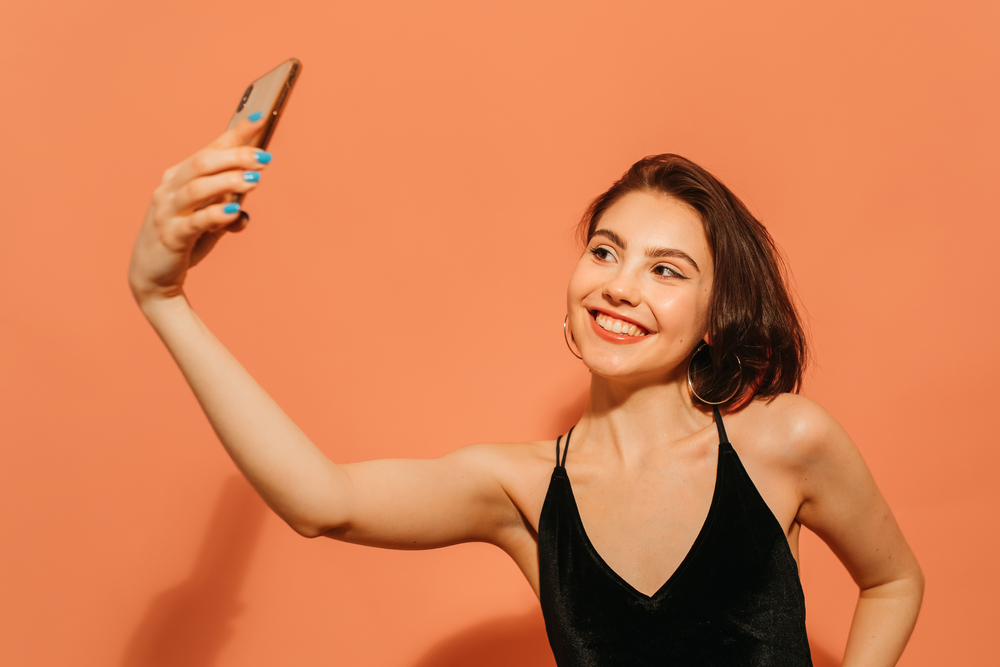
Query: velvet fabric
{"points": [[734, 601]]}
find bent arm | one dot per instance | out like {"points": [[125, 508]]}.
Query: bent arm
{"points": [[289, 472], [407, 504], [843, 505], [404, 504]]}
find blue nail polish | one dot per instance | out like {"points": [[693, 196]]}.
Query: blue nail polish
{"points": [[262, 156], [231, 208], [251, 176], [255, 116]]}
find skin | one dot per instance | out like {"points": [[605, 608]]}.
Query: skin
{"points": [[643, 455]]}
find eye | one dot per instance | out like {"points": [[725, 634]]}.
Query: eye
{"points": [[667, 271], [602, 253]]}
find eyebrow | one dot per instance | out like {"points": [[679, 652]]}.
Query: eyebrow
{"points": [[653, 253]]}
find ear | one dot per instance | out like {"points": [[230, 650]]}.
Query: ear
{"points": [[707, 336]]}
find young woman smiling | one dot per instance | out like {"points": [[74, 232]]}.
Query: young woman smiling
{"points": [[672, 544]]}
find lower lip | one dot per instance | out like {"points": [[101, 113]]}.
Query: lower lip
{"points": [[611, 337]]}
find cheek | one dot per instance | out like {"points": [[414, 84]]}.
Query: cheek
{"points": [[580, 283], [683, 314]]}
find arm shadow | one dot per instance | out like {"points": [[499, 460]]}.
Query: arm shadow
{"points": [[189, 624], [568, 409], [822, 657], [508, 641]]}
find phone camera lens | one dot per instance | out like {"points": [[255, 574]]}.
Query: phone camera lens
{"points": [[246, 96]]}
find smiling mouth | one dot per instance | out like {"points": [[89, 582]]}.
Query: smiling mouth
{"points": [[620, 327]]}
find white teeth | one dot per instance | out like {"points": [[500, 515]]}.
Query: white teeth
{"points": [[618, 326]]}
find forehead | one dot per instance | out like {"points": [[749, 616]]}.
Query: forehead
{"points": [[648, 220]]}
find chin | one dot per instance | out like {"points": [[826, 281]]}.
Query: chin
{"points": [[615, 369]]}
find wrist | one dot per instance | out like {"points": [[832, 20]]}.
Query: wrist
{"points": [[156, 306]]}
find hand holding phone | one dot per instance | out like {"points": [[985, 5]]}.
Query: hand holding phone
{"points": [[198, 200], [266, 96]]}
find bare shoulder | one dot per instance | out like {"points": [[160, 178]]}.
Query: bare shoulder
{"points": [[790, 427], [512, 463], [520, 474], [501, 456], [791, 448], [522, 469]]}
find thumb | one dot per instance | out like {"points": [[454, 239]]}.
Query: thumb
{"points": [[204, 245]]}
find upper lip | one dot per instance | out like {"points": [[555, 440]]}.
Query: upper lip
{"points": [[618, 316]]}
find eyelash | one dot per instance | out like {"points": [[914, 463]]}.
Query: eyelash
{"points": [[674, 273], [601, 253]]}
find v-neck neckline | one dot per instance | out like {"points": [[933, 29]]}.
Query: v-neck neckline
{"points": [[692, 550]]}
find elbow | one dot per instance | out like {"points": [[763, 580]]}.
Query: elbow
{"points": [[312, 529], [315, 516], [306, 530], [918, 582], [906, 584], [914, 576], [909, 587]]}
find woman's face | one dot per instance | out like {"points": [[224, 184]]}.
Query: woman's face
{"points": [[639, 296]]}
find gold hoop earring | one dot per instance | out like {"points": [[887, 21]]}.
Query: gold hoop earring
{"points": [[566, 338], [691, 384]]}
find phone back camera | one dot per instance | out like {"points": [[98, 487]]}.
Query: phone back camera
{"points": [[246, 96]]}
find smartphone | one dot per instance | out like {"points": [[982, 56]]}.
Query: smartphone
{"points": [[268, 95]]}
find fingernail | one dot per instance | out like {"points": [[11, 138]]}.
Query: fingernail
{"points": [[251, 176], [255, 116], [231, 208], [262, 156]]}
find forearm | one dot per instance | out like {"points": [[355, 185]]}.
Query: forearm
{"points": [[883, 621], [289, 472]]}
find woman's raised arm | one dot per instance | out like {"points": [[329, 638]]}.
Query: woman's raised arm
{"points": [[403, 504]]}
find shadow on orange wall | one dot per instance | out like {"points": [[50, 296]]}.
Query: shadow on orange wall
{"points": [[500, 642], [567, 414], [520, 641], [190, 623], [823, 658]]}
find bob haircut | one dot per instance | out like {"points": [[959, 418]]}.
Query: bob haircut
{"points": [[758, 348]]}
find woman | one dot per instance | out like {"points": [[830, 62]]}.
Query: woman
{"points": [[649, 537]]}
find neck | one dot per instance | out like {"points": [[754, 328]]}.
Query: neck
{"points": [[632, 419]]}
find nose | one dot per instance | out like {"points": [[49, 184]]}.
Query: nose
{"points": [[623, 287]]}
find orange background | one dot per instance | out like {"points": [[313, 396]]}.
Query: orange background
{"points": [[401, 291]]}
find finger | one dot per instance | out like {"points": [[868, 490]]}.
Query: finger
{"points": [[209, 220], [207, 189], [241, 133], [212, 161]]}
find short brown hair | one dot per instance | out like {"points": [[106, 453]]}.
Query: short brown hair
{"points": [[751, 313]]}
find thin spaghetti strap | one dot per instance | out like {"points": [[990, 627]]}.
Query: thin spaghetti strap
{"points": [[569, 435], [557, 450], [720, 426]]}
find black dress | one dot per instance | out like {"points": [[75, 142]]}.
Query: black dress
{"points": [[735, 600]]}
